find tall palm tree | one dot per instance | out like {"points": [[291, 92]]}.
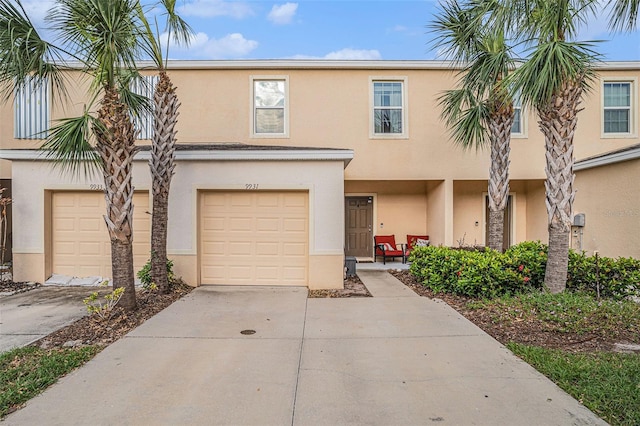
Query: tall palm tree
{"points": [[163, 142], [106, 37], [552, 80], [481, 107]]}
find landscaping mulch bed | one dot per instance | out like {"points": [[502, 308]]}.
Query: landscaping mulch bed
{"points": [[508, 327]]}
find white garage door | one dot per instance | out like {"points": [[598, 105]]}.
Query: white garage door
{"points": [[254, 238], [80, 240]]}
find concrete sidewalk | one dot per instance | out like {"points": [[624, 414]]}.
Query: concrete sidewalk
{"points": [[28, 316], [394, 359]]}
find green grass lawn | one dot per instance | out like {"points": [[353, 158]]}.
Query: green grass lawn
{"points": [[25, 372], [607, 383]]}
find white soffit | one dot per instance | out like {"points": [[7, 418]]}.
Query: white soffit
{"points": [[611, 158]]}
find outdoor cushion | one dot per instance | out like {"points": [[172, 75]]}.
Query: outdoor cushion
{"points": [[421, 242]]}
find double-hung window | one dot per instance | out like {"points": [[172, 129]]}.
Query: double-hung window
{"points": [[618, 104], [31, 110], [388, 108], [270, 115], [143, 120], [518, 127]]}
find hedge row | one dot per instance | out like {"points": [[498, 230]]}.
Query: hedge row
{"points": [[488, 273]]}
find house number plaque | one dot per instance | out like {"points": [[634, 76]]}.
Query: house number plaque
{"points": [[250, 186]]}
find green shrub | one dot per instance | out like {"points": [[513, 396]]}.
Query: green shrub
{"points": [[488, 273], [144, 274], [609, 277], [485, 273]]}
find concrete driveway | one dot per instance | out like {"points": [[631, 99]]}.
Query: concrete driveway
{"points": [[393, 359], [28, 316]]}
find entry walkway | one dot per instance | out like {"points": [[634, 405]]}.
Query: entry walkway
{"points": [[392, 359]]}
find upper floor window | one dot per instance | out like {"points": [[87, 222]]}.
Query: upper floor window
{"points": [[269, 116], [143, 122], [389, 108], [618, 105], [518, 126], [31, 110]]}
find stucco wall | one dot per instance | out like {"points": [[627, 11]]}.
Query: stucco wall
{"points": [[608, 196]]}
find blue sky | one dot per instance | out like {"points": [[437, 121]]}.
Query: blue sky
{"points": [[328, 29]]}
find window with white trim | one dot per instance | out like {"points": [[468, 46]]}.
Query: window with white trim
{"points": [[617, 102], [31, 110], [270, 115], [143, 122], [388, 107], [517, 128]]}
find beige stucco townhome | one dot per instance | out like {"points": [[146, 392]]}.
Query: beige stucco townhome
{"points": [[284, 167]]}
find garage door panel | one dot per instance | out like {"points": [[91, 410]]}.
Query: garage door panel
{"points": [[294, 225], [213, 224], [87, 224], [267, 200], [267, 224], [65, 247], [241, 199], [253, 243], [80, 240], [87, 248], [294, 249], [241, 224]]}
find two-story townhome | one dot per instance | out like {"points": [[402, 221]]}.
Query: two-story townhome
{"points": [[286, 166]]}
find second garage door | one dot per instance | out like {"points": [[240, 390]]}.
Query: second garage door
{"points": [[80, 240], [254, 238]]}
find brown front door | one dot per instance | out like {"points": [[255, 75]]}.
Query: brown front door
{"points": [[359, 226], [506, 238]]}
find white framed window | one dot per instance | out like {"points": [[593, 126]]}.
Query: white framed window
{"points": [[31, 114], [619, 106], [145, 86], [388, 104], [519, 126], [270, 106]]}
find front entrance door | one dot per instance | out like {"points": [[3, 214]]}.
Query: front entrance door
{"points": [[359, 226], [508, 213]]}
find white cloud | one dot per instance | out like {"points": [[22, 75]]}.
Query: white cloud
{"points": [[354, 54], [212, 8], [37, 10], [228, 47], [345, 54], [282, 14]]}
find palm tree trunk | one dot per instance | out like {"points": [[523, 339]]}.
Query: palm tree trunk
{"points": [[500, 136], [558, 123], [162, 165], [115, 143]]}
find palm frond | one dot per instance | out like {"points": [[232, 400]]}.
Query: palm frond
{"points": [[465, 115], [623, 15], [457, 31], [24, 55], [69, 145], [107, 34], [138, 104], [550, 65]]}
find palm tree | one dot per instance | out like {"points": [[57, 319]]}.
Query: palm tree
{"points": [[481, 107], [624, 14], [552, 80], [106, 37], [163, 143]]}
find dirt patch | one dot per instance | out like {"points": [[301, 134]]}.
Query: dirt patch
{"points": [[506, 326], [10, 287], [353, 287]]}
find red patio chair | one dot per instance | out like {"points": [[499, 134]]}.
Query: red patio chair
{"points": [[386, 247], [415, 241]]}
